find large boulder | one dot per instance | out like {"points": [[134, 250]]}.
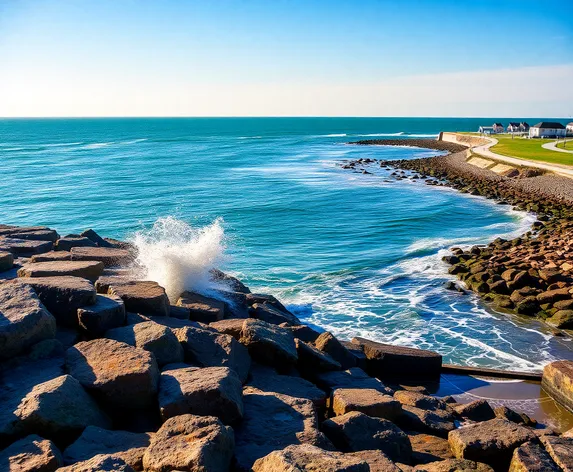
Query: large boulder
{"points": [[145, 297], [328, 343], [109, 256], [190, 443], [308, 458], [96, 238], [108, 312], [208, 391], [212, 349], [558, 382], [234, 327], [453, 465], [62, 296], [437, 422], [52, 256], [356, 431], [24, 247], [269, 344], [273, 315], [59, 409], [153, 337], [129, 447], [491, 442], [23, 319], [561, 450], [388, 361], [99, 463], [378, 461], [531, 457], [119, 374], [90, 270], [428, 448], [68, 242], [368, 401], [37, 233], [478, 410], [6, 261], [353, 378], [202, 308], [420, 400], [31, 454], [272, 421]]}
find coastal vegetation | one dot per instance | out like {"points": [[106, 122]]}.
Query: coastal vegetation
{"points": [[529, 149]]}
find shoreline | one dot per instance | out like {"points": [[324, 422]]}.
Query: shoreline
{"points": [[530, 275]]}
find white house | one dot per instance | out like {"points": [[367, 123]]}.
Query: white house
{"points": [[498, 128], [513, 127], [547, 129], [486, 130], [569, 129]]}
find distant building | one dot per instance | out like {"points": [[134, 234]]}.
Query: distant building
{"points": [[498, 128], [523, 127], [513, 127], [486, 130], [569, 129], [547, 129]]}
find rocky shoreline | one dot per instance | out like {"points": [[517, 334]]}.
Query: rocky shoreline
{"points": [[531, 275], [100, 371]]}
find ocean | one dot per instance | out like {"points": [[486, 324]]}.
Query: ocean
{"points": [[266, 199]]}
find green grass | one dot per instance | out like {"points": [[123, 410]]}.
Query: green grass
{"points": [[529, 149], [568, 145]]}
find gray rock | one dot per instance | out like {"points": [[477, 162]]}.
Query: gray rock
{"points": [[96, 238], [108, 312], [313, 361], [31, 454], [69, 242], [110, 256], [561, 451], [326, 342], [273, 315], [6, 261], [269, 344], [144, 297], [478, 410], [352, 378], [531, 457], [99, 463], [368, 401], [437, 422]]}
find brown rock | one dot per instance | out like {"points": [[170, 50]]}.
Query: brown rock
{"points": [[302, 332], [269, 344], [437, 422], [23, 320], [326, 342], [6, 261], [552, 296], [491, 442], [420, 400], [376, 460], [38, 233], [558, 381], [454, 465], [531, 457], [307, 458], [356, 431], [62, 296], [352, 378], [273, 315], [52, 256], [24, 247], [233, 327], [311, 360], [121, 375], [478, 410], [561, 451], [202, 308], [109, 256], [99, 463], [562, 319], [190, 443], [69, 242], [368, 401], [96, 238], [108, 312], [144, 297], [90, 270], [31, 454], [427, 448]]}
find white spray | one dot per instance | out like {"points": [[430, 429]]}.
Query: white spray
{"points": [[179, 257]]}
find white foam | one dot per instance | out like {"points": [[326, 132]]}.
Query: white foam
{"points": [[178, 256]]}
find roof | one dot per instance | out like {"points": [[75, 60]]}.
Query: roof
{"points": [[524, 123], [513, 123], [497, 124], [549, 124], [570, 124]]}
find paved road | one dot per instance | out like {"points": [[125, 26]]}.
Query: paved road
{"points": [[560, 169], [553, 147]]}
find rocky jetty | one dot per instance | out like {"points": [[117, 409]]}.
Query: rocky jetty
{"points": [[103, 372]]}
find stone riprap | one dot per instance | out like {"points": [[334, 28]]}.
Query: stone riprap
{"points": [[108, 374]]}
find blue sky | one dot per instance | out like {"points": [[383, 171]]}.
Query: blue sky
{"points": [[251, 57]]}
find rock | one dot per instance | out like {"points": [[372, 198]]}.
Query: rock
{"points": [[564, 305], [420, 400], [368, 401], [31, 454], [272, 421], [353, 378], [121, 375], [388, 361], [52, 256], [152, 337], [68, 242], [86, 269], [109, 256], [6, 261], [103, 284], [508, 414], [190, 443], [108, 312], [327, 343], [233, 327], [210, 349], [529, 306], [129, 447], [302, 332], [96, 238], [560, 450], [428, 448], [269, 344], [437, 422], [453, 465], [38, 233], [552, 296], [24, 247], [562, 319], [233, 283], [268, 380], [208, 391], [99, 463], [491, 442], [307, 458], [23, 320], [202, 308], [478, 410], [273, 315], [148, 298], [376, 460], [311, 360], [356, 431], [558, 382], [531, 457], [59, 409], [62, 296]]}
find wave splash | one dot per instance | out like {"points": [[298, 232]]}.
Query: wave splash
{"points": [[179, 257]]}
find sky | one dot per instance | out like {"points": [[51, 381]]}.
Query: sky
{"points": [[286, 58]]}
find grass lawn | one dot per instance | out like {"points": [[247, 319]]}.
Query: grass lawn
{"points": [[566, 145], [529, 149]]}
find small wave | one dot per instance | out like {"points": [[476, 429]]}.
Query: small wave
{"points": [[97, 145], [372, 135], [426, 244], [133, 141], [178, 256], [333, 135], [250, 137]]}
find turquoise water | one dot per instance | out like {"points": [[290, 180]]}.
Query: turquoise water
{"points": [[356, 254]]}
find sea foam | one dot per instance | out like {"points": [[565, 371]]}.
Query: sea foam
{"points": [[178, 256]]}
